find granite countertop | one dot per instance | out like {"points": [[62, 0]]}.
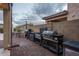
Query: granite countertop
{"points": [[72, 44]]}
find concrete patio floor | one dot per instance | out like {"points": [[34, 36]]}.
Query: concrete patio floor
{"points": [[2, 51], [28, 48]]}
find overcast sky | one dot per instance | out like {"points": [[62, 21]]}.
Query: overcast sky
{"points": [[33, 12]]}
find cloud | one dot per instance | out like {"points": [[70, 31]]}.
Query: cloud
{"points": [[47, 8], [42, 8], [37, 22], [34, 12]]}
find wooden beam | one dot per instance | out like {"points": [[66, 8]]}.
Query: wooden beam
{"points": [[4, 6]]}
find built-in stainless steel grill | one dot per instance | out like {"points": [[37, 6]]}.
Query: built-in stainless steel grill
{"points": [[49, 39], [53, 41], [38, 36], [49, 34]]}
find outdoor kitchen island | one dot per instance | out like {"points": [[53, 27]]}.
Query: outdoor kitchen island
{"points": [[55, 44], [71, 45], [50, 40]]}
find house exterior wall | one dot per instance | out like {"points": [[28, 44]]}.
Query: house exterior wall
{"points": [[49, 25], [23, 27], [36, 28], [70, 29], [73, 11]]}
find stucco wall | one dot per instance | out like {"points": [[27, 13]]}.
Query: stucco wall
{"points": [[49, 25], [73, 11], [70, 29]]}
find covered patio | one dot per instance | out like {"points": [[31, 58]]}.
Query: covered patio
{"points": [[23, 46]]}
